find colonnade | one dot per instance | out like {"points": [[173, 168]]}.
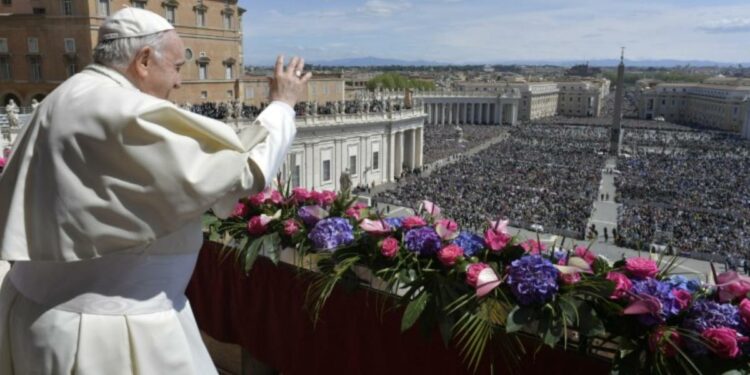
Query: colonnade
{"points": [[470, 112], [407, 146]]}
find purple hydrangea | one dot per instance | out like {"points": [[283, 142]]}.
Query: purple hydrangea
{"points": [[423, 241], [395, 222], [559, 254], [705, 314], [660, 290], [470, 242], [709, 314], [532, 279], [331, 233]]}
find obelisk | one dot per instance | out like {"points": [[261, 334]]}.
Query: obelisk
{"points": [[615, 132]]}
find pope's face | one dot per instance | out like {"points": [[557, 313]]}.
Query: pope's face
{"points": [[164, 70]]}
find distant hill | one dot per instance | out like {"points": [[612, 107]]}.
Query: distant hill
{"points": [[375, 61], [664, 63]]}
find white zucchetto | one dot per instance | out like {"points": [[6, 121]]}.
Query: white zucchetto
{"points": [[132, 22]]}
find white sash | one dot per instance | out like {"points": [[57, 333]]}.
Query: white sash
{"points": [[122, 284]]}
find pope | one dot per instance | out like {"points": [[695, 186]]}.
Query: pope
{"points": [[100, 207]]}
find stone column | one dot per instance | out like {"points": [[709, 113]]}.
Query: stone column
{"points": [[500, 114], [399, 154], [412, 148], [390, 162], [420, 146], [471, 113], [442, 113]]}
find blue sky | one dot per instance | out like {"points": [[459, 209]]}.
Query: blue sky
{"points": [[466, 31]]}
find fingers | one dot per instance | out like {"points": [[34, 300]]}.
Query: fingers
{"points": [[301, 64], [306, 77], [279, 68], [292, 67]]}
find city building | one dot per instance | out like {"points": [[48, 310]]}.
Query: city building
{"points": [[43, 42], [723, 107], [322, 88]]}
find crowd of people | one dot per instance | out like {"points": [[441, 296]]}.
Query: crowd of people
{"points": [[690, 190], [538, 177], [441, 142]]}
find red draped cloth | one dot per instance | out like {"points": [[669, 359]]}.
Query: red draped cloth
{"points": [[263, 312]]}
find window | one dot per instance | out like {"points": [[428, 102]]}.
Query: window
{"points": [[295, 170], [204, 95], [35, 65], [33, 44], [140, 4], [352, 164], [200, 17], [203, 71], [326, 170], [170, 13], [227, 21], [188, 54], [70, 45], [103, 8], [3, 45], [67, 7], [71, 69], [228, 71], [5, 68], [230, 94], [375, 160]]}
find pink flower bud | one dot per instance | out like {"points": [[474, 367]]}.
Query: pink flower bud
{"points": [[622, 284], [723, 341], [389, 247], [472, 273], [290, 227], [240, 210], [449, 254], [641, 268], [413, 222], [255, 226], [496, 240]]}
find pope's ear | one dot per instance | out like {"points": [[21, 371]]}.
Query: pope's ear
{"points": [[143, 59]]}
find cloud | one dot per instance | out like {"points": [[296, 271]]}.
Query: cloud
{"points": [[384, 8], [727, 25]]}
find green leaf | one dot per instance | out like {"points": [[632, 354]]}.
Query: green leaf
{"points": [[518, 318], [272, 246], [589, 322], [252, 254], [413, 310], [446, 330]]}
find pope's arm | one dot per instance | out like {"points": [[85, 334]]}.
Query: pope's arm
{"points": [[204, 164]]}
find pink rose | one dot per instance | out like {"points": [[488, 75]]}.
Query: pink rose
{"points": [[533, 247], [447, 229], [240, 210], [258, 199], [732, 286], [641, 268], [570, 278], [723, 341], [622, 284], [290, 227], [666, 340], [586, 254], [355, 211], [496, 240], [449, 254], [255, 226], [389, 247], [413, 222], [472, 273], [301, 194], [2, 162], [745, 312], [326, 197], [683, 298], [275, 197]]}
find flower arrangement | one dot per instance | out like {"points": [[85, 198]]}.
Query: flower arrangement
{"points": [[489, 289]]}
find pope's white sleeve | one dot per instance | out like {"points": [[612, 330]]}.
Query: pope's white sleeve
{"points": [[268, 140]]}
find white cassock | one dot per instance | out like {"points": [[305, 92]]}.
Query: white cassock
{"points": [[100, 209]]}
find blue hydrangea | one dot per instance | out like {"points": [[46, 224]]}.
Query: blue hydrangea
{"points": [[532, 279], [395, 222], [682, 282], [558, 255], [470, 242], [662, 291], [331, 233], [309, 215], [423, 241]]}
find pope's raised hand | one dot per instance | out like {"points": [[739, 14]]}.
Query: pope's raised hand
{"points": [[288, 84]]}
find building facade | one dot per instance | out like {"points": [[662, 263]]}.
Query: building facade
{"points": [[544, 99], [43, 42], [320, 89], [372, 147], [717, 106]]}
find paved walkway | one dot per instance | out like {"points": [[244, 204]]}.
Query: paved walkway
{"points": [[604, 212]]}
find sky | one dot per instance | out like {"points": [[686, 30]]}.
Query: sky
{"points": [[481, 31]]}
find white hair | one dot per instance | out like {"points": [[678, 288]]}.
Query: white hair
{"points": [[119, 53]]}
